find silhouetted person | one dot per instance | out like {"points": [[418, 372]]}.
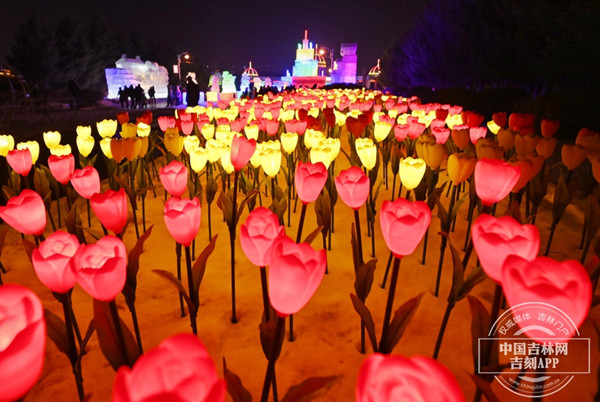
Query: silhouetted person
{"points": [[152, 94], [123, 98], [193, 92], [140, 97]]}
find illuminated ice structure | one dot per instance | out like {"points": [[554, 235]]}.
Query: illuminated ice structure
{"points": [[135, 71], [305, 71], [344, 69]]}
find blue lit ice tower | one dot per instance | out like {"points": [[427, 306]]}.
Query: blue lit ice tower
{"points": [[305, 65]]}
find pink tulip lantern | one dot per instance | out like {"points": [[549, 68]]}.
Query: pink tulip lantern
{"points": [[25, 213], [23, 345], [182, 217], [86, 181], [62, 167], [152, 376], [544, 282], [174, 177], [111, 209], [389, 378], [258, 234], [310, 179], [242, 150], [52, 261], [494, 179], [20, 161]]}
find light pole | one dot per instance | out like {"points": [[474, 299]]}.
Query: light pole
{"points": [[330, 50], [186, 56]]}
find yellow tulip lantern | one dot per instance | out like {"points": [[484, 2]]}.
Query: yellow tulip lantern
{"points": [[51, 139], [173, 141], [143, 132], [546, 146], [411, 172], [128, 130], [33, 147], [61, 150], [213, 150], [434, 155], [255, 158], [131, 147], [7, 144], [190, 142], [573, 155], [85, 142], [107, 128], [208, 131], [105, 147], [460, 167], [367, 152], [312, 138], [226, 160], [251, 131], [198, 158], [383, 128], [493, 127], [289, 142], [322, 153], [270, 160]]}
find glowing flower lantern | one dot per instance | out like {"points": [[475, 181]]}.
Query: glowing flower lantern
{"points": [[7, 143], [101, 268], [52, 261], [198, 159], [62, 167], [386, 378], [165, 122], [588, 138], [460, 167], [190, 142], [500, 119], [25, 213], [488, 148], [549, 127], [433, 154], [441, 134], [105, 147], [128, 130], [415, 128], [461, 136], [20, 161], [367, 152], [187, 126], [528, 171], [143, 129], [403, 224], [506, 139], [411, 172], [151, 377], [270, 161], [111, 209], [213, 150], [85, 143], [33, 147], [564, 285], [173, 141], [61, 150], [182, 218], [525, 144], [545, 147], [521, 123], [382, 129], [471, 119], [174, 178], [289, 142], [123, 117], [107, 128], [573, 155], [313, 138], [493, 127], [86, 181], [495, 239], [23, 329], [310, 179], [296, 270], [242, 150], [145, 118], [494, 179], [117, 149], [353, 187], [401, 132], [475, 133], [258, 234], [51, 139], [251, 131], [208, 131], [322, 153], [226, 160]]}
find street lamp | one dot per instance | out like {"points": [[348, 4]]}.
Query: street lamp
{"points": [[186, 56], [322, 50]]}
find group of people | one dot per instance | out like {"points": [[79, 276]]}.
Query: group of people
{"points": [[135, 97]]}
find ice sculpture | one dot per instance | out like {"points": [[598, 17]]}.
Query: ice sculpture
{"points": [[135, 71]]}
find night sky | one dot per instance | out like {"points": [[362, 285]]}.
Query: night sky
{"points": [[233, 32]]}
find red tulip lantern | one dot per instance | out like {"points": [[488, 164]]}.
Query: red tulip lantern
{"points": [[495, 239], [494, 179], [403, 224], [62, 167], [310, 179], [20, 161], [353, 187], [399, 378], [242, 150], [101, 268], [563, 285], [111, 209], [52, 261], [258, 235], [86, 181], [23, 341], [182, 217], [295, 273], [174, 177], [179, 369], [25, 213]]}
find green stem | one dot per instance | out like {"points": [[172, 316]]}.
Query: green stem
{"points": [[119, 331], [232, 230], [388, 308], [178, 254], [73, 354], [193, 293], [438, 342], [552, 229], [275, 350]]}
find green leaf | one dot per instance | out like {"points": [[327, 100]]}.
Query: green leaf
{"points": [[323, 211], [107, 337], [367, 319], [364, 279], [458, 274], [57, 332], [444, 217], [169, 277], [310, 388], [480, 320], [476, 276], [225, 204], [200, 265], [400, 322], [235, 388], [133, 265]]}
